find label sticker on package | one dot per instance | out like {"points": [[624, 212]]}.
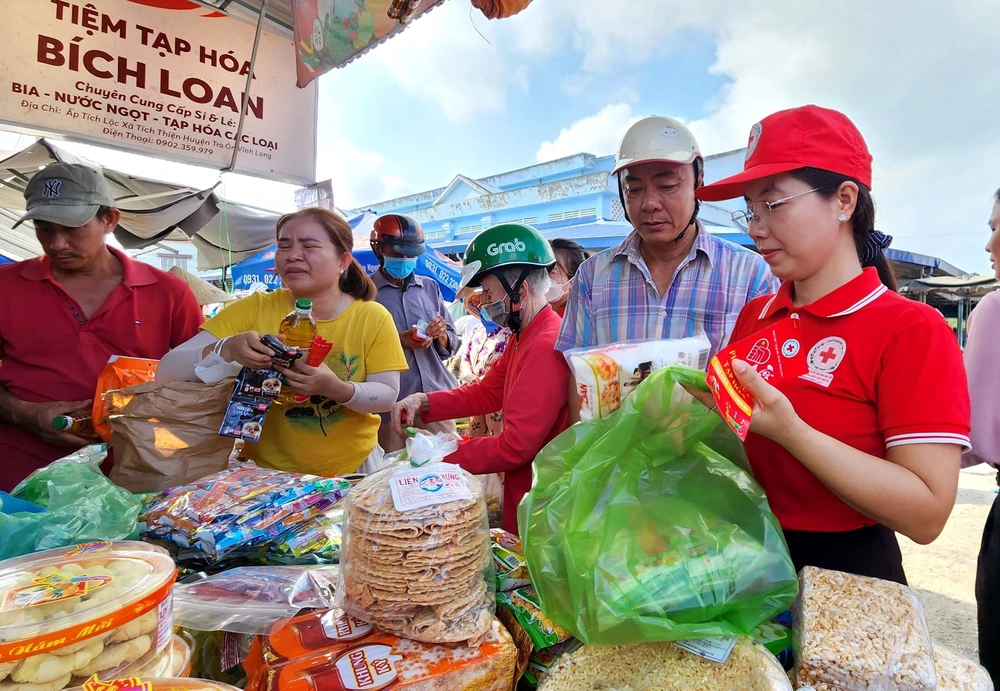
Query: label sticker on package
{"points": [[712, 649], [438, 483], [776, 354], [52, 589]]}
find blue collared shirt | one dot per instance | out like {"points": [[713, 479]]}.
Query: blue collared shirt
{"points": [[419, 298]]}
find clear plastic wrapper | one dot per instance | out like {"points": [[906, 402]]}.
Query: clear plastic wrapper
{"points": [[80, 504], [956, 673], [174, 661], [859, 634], [252, 599], [508, 560], [416, 558], [94, 609], [522, 603], [606, 375], [239, 511], [644, 526], [315, 542], [178, 684], [332, 651], [665, 667]]}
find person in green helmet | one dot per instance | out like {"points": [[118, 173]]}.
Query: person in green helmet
{"points": [[529, 382]]}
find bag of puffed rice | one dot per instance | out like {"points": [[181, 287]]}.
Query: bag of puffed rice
{"points": [[856, 633], [665, 667], [956, 673]]}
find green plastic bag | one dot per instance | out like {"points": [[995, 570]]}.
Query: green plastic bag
{"points": [[81, 504], [647, 525]]}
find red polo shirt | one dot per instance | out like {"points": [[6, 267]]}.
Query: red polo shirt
{"points": [[50, 352], [885, 371], [529, 383]]}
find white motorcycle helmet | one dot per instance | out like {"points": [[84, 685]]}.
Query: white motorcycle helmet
{"points": [[658, 138]]}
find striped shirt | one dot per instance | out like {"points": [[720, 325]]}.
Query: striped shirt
{"points": [[614, 298]]}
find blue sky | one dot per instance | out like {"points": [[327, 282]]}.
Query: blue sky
{"points": [[567, 76]]}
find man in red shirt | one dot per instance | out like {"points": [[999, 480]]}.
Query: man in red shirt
{"points": [[530, 380], [63, 315]]}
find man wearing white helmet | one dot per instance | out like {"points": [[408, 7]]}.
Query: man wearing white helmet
{"points": [[670, 278]]}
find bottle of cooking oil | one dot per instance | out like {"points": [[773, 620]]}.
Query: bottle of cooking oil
{"points": [[299, 330], [79, 426]]}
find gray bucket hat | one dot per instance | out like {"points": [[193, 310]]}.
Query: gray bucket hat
{"points": [[68, 194]]}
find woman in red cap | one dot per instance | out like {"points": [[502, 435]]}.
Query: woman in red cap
{"points": [[869, 442]]}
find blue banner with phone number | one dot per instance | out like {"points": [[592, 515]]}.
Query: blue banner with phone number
{"points": [[432, 264]]}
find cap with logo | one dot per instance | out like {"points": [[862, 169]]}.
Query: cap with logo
{"points": [[504, 245], [656, 138], [68, 194], [805, 137]]}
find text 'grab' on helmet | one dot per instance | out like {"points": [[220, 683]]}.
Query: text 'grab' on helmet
{"points": [[658, 138], [400, 232], [501, 246]]}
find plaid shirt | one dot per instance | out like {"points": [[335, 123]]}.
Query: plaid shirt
{"points": [[614, 298]]}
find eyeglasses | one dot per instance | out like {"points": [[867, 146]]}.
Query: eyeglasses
{"points": [[754, 213]]}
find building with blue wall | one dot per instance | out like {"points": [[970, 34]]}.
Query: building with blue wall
{"points": [[574, 197]]}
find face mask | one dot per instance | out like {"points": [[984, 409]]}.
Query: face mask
{"points": [[399, 267], [491, 326], [556, 292], [496, 312]]}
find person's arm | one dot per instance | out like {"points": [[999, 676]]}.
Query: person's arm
{"points": [[577, 329], [377, 394], [983, 367], [480, 398], [447, 343], [179, 364], [923, 413], [535, 403], [37, 418]]}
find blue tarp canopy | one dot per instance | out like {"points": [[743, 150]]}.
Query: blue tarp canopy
{"points": [[260, 267]]}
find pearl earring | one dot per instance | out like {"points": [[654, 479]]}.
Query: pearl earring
{"points": [[842, 217]]}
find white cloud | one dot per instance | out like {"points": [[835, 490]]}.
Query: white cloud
{"points": [[597, 134], [918, 80], [443, 58]]}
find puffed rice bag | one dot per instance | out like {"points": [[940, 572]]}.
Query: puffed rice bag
{"points": [[856, 633], [665, 667], [955, 673]]}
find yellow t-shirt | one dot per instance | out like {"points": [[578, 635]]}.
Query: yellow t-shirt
{"points": [[319, 436]]}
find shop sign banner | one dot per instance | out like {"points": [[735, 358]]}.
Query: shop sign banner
{"points": [[162, 78]]}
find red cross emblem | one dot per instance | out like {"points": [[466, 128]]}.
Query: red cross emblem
{"points": [[828, 355]]}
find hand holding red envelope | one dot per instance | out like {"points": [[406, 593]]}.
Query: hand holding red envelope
{"points": [[775, 353]]}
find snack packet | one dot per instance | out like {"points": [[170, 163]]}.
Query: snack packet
{"points": [[605, 375], [508, 560], [524, 605]]}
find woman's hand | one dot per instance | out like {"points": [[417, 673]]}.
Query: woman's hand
{"points": [[246, 349], [317, 381], [404, 413], [773, 414]]}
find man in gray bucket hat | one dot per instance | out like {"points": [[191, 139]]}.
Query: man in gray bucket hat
{"points": [[65, 314]]}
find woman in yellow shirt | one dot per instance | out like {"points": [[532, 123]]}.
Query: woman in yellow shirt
{"points": [[336, 430]]}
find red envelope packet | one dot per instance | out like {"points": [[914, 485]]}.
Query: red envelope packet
{"points": [[775, 352]]}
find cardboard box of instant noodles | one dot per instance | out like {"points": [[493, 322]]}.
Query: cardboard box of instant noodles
{"points": [[331, 651]]}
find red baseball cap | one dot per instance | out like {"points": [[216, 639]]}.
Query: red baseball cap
{"points": [[805, 137]]}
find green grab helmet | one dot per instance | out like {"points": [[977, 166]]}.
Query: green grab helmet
{"points": [[504, 245]]}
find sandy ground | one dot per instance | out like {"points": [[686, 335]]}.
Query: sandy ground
{"points": [[944, 572]]}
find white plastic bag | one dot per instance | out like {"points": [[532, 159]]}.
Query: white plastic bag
{"points": [[605, 375]]}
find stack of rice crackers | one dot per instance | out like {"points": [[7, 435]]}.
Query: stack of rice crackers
{"points": [[422, 573]]}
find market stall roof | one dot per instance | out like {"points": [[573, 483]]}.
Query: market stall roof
{"points": [[152, 211], [951, 288]]}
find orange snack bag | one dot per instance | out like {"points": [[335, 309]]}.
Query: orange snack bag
{"points": [[331, 651], [119, 373]]}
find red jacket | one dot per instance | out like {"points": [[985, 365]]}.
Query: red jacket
{"points": [[529, 384]]}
